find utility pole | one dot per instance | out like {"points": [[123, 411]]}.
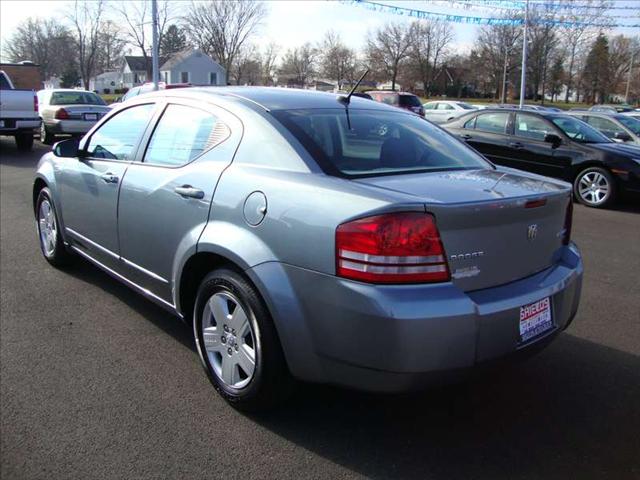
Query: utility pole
{"points": [[523, 78], [154, 45], [503, 99], [626, 92]]}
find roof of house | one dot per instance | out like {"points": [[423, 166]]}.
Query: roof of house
{"points": [[177, 58], [138, 64]]}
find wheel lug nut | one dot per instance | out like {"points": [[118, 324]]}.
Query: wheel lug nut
{"points": [[233, 331], [236, 347], [230, 351], [226, 329], [224, 339]]}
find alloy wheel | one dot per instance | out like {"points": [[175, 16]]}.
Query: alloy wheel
{"points": [[229, 340], [594, 188], [48, 228]]}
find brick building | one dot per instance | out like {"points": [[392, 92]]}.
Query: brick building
{"points": [[24, 75]]}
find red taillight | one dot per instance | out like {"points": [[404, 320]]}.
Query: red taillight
{"points": [[62, 114], [391, 248], [35, 103], [568, 221]]}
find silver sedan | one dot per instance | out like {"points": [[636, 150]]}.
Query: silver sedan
{"points": [[68, 111], [306, 235]]}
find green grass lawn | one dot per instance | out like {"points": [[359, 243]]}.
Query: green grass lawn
{"points": [[110, 97]]}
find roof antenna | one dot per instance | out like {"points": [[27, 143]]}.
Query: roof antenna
{"points": [[347, 99]]}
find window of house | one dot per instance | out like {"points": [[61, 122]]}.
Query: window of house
{"points": [[165, 77], [492, 122], [118, 138], [181, 135], [213, 78], [184, 77]]}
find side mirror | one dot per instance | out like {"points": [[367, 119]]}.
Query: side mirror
{"points": [[622, 136], [67, 148], [553, 139]]}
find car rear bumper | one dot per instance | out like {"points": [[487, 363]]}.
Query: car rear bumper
{"points": [[70, 126], [11, 126], [399, 338]]}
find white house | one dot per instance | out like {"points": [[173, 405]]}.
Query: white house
{"points": [[106, 81], [192, 66]]}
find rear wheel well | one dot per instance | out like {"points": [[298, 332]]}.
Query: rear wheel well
{"points": [[38, 185], [196, 268]]}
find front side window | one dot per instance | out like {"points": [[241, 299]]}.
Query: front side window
{"points": [[531, 127], [430, 106], [181, 135], [369, 142], [631, 123], [118, 138], [492, 122], [390, 99], [605, 125]]}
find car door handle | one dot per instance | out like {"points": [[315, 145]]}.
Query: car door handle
{"points": [[516, 145], [189, 191], [109, 178], [466, 136]]}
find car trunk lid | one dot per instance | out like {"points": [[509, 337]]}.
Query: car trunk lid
{"points": [[496, 226]]}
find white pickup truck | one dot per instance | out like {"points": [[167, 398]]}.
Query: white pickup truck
{"points": [[18, 113]]}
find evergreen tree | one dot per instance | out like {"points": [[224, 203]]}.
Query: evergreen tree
{"points": [[173, 41], [596, 70]]}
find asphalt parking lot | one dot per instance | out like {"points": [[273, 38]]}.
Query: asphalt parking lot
{"points": [[96, 382]]}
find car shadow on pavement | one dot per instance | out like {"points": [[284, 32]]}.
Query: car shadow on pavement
{"points": [[571, 412]]}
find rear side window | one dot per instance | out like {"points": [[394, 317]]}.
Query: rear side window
{"points": [[606, 126], [118, 138], [409, 101], [357, 143], [492, 122], [389, 99], [182, 134], [532, 127], [445, 106], [430, 106]]}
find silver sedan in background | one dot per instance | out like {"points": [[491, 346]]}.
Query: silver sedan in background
{"points": [[68, 111], [443, 111]]}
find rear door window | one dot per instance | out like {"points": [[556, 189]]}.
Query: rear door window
{"points": [[445, 106], [492, 122], [182, 134]]}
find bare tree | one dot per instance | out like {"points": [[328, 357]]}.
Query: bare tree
{"points": [[387, 49], [429, 41], [87, 24], [337, 61], [138, 24], [46, 42], [299, 64], [221, 28], [269, 58], [111, 45], [246, 68]]}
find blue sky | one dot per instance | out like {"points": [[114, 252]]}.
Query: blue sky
{"points": [[291, 23]]}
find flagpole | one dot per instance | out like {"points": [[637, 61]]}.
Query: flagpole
{"points": [[154, 48], [523, 78]]}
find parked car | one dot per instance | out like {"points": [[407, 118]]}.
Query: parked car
{"points": [[611, 108], [18, 113], [444, 110], [407, 101], [148, 87], [634, 114], [616, 126], [556, 145], [308, 234], [69, 112]]}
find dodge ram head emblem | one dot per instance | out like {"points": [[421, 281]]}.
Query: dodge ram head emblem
{"points": [[532, 231]]}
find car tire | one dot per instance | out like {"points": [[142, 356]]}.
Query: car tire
{"points": [[24, 141], [46, 136], [232, 343], [595, 187], [51, 243]]}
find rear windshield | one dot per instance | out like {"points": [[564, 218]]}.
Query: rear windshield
{"points": [[75, 98], [370, 142], [409, 101]]}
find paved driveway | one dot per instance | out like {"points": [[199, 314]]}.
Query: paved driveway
{"points": [[96, 382]]}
